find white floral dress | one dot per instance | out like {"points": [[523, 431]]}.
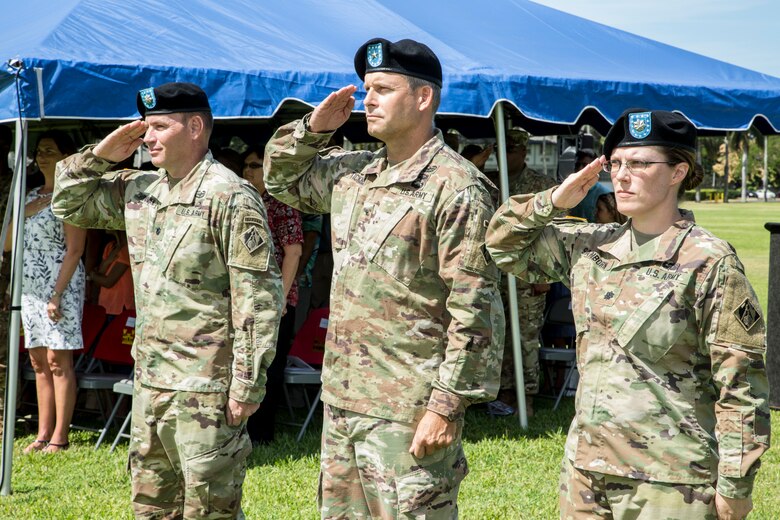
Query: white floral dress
{"points": [[44, 249]]}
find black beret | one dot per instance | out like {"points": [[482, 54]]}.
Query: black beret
{"points": [[170, 98], [641, 127], [406, 57]]}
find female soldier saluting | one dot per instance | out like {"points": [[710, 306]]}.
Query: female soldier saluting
{"points": [[671, 410]]}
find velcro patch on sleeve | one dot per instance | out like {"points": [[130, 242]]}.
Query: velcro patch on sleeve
{"points": [[251, 247], [740, 322]]}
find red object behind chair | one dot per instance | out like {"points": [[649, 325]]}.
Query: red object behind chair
{"points": [[92, 321], [116, 341], [309, 343]]}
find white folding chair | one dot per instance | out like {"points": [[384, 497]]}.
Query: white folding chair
{"points": [[298, 372]]}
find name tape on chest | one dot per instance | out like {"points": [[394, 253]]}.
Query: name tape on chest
{"points": [[189, 211]]}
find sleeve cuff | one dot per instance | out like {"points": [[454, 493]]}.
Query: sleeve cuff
{"points": [[96, 163], [451, 406], [731, 487], [305, 136], [543, 205], [244, 392]]}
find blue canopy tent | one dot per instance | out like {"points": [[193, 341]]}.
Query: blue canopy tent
{"points": [[86, 59]]}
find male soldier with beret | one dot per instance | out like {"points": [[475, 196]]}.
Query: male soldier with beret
{"points": [[416, 325], [208, 296], [530, 297]]}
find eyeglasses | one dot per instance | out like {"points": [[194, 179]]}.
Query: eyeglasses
{"points": [[253, 165], [632, 166]]}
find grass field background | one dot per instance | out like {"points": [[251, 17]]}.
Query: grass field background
{"points": [[514, 473]]}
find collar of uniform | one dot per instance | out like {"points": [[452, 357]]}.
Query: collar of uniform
{"points": [[184, 192], [410, 169], [660, 249]]}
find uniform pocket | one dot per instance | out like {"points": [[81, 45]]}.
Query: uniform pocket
{"points": [[654, 327], [395, 247], [216, 475], [176, 268], [431, 491]]}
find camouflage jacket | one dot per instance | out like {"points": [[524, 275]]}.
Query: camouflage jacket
{"points": [[207, 288], [416, 319], [670, 345]]}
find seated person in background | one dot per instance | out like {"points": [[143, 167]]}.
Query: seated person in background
{"points": [[599, 204], [477, 155], [114, 277]]}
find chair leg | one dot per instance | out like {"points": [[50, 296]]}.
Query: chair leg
{"points": [[121, 432], [312, 409], [287, 400], [110, 421], [565, 386]]}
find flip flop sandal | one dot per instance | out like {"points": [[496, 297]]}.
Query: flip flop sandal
{"points": [[36, 445], [57, 447]]}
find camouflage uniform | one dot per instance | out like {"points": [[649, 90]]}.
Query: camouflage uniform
{"points": [[415, 317], [530, 306], [208, 297], [670, 345]]}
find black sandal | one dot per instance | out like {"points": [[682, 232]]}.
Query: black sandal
{"points": [[36, 445], [58, 447]]}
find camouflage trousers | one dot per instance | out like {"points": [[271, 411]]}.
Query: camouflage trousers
{"points": [[530, 310], [367, 471], [587, 495], [185, 461]]}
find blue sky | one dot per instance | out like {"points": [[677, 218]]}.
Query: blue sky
{"points": [[741, 32]]}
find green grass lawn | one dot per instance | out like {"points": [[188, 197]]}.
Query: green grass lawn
{"points": [[742, 225], [514, 473]]}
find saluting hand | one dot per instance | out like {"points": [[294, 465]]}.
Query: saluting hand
{"points": [[122, 142], [333, 111], [576, 186]]}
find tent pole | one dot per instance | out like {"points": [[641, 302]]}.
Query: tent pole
{"points": [[500, 123], [19, 187]]}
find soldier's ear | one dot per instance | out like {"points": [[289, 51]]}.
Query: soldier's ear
{"points": [[680, 172], [424, 97], [195, 125]]}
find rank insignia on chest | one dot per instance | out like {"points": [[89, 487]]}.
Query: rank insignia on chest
{"points": [[747, 314], [252, 239]]}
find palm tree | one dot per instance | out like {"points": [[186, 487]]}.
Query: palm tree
{"points": [[741, 141]]}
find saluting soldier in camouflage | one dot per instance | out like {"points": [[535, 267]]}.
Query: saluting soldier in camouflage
{"points": [[416, 324], [530, 297], [208, 297], [671, 409]]}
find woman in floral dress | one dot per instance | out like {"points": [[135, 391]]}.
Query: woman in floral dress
{"points": [[52, 300]]}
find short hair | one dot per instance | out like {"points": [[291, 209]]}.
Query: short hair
{"points": [[207, 117], [64, 143], [415, 83]]}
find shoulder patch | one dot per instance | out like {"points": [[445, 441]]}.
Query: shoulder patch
{"points": [[747, 314], [251, 247], [740, 322], [252, 239]]}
